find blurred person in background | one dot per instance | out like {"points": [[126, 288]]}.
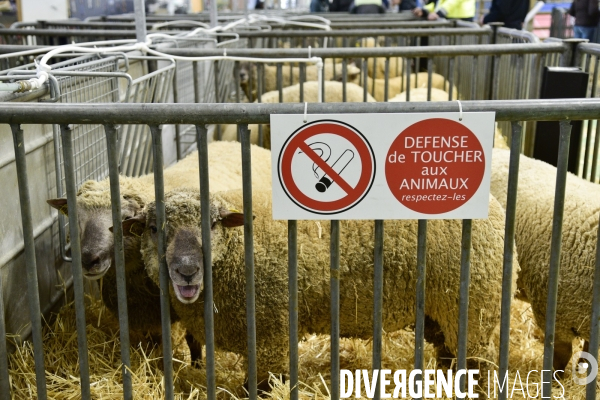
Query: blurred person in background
{"points": [[448, 9], [319, 6], [367, 7], [511, 12], [586, 18]]}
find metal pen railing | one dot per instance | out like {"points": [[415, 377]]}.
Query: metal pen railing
{"points": [[154, 114]]}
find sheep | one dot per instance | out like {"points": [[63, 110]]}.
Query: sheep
{"points": [[376, 67], [184, 262], [330, 72], [95, 219], [534, 214], [376, 87], [291, 94], [420, 94]]}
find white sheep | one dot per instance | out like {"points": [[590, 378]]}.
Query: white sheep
{"points": [[95, 219], [184, 261], [534, 215], [290, 76], [291, 94], [420, 94]]}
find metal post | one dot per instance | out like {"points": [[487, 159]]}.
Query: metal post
{"points": [[557, 222], [163, 276], [76, 268], [593, 347], [213, 13], [509, 238], [244, 135], [334, 281], [293, 306], [30, 263], [115, 199], [377, 301], [465, 280], [140, 20], [420, 299], [202, 142]]}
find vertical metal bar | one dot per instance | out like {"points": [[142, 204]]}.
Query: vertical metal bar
{"points": [[115, 199], [344, 78], [177, 126], [450, 78], [334, 282], [420, 299], [140, 20], [67, 145], [386, 76], [4, 377], [474, 79], [463, 313], [555, 248], [244, 134], [280, 81], [30, 262], [236, 74], [165, 310], [430, 77], [377, 301], [293, 306], [509, 238], [213, 13], [595, 319], [302, 79], [202, 142], [216, 73], [365, 80]]}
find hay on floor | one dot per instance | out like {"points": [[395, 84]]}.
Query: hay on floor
{"points": [[62, 369]]}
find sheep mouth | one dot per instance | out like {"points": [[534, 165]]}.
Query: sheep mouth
{"points": [[187, 293], [96, 273]]}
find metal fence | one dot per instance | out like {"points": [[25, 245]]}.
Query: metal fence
{"points": [[199, 115]]}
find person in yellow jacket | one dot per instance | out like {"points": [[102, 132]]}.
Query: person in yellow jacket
{"points": [[448, 9]]}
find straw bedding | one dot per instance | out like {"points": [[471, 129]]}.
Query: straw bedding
{"points": [[62, 371]]}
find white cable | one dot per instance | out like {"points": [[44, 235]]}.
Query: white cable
{"points": [[459, 110]]}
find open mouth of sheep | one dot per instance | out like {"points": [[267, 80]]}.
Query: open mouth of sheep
{"points": [[188, 292], [95, 275]]}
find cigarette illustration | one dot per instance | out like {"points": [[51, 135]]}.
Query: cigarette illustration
{"points": [[338, 166]]}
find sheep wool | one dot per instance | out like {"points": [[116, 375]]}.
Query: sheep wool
{"points": [[291, 94], [534, 214], [356, 276]]}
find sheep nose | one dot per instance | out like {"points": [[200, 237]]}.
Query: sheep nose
{"points": [[89, 260], [187, 278]]}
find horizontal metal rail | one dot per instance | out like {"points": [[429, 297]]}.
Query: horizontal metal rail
{"points": [[413, 51], [197, 114], [368, 32]]}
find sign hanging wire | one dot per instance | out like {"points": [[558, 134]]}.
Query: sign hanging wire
{"points": [[459, 110]]}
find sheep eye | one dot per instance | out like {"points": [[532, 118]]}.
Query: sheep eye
{"points": [[153, 229], [126, 218], [214, 223]]}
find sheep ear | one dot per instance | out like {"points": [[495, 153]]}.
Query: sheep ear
{"points": [[231, 218], [134, 226], [59, 204]]}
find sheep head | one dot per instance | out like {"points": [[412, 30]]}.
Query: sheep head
{"points": [[183, 234], [94, 216]]}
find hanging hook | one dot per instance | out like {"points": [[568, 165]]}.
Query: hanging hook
{"points": [[305, 111], [459, 110]]}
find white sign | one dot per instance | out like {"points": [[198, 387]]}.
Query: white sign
{"points": [[381, 166]]}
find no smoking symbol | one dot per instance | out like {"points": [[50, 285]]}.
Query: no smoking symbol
{"points": [[326, 167]]}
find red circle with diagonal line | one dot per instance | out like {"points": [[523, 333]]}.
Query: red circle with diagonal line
{"points": [[298, 142]]}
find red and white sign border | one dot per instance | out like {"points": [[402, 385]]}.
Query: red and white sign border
{"points": [[299, 137]]}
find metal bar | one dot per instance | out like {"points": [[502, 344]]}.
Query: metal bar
{"points": [[509, 238], [279, 81], [189, 113], [4, 376], [594, 321], [213, 13], [420, 300], [216, 76], [377, 301], [369, 52], [334, 282], [30, 263], [293, 306], [202, 142], [177, 127], [555, 249], [84, 370], [463, 316], [165, 310], [244, 134], [115, 199], [140, 20]]}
